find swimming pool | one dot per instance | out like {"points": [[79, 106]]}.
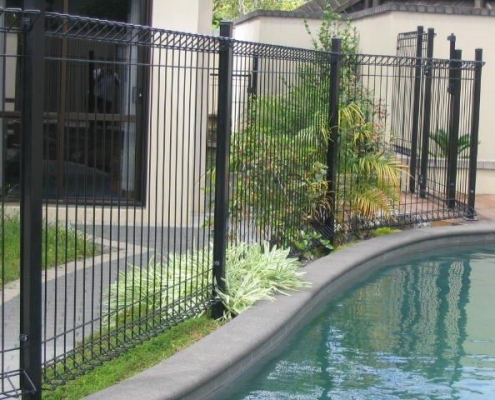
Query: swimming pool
{"points": [[244, 345], [421, 329]]}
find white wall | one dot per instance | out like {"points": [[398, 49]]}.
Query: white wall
{"points": [[193, 16], [177, 129], [282, 31]]}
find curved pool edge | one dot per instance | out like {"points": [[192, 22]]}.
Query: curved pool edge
{"points": [[207, 366]]}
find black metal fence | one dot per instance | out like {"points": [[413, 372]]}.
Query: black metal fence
{"points": [[327, 144], [132, 157]]}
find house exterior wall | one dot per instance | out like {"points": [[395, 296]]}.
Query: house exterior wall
{"points": [[378, 34], [177, 132], [186, 15]]}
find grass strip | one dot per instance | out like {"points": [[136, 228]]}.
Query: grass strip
{"points": [[136, 360], [60, 245]]}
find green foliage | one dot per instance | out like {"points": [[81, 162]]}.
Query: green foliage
{"points": [[253, 272], [233, 9], [161, 286], [369, 175], [386, 230], [279, 160], [280, 164], [256, 272], [281, 176], [441, 145], [305, 245], [334, 25], [60, 245], [279, 157]]}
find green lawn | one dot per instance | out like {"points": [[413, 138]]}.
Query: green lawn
{"points": [[60, 245]]}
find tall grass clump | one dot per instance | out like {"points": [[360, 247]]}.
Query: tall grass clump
{"points": [[257, 272], [163, 288]]}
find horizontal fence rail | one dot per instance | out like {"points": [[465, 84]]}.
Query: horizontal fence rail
{"points": [[161, 149]]}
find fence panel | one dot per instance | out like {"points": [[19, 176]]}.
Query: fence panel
{"points": [[386, 117], [126, 195], [126, 234], [278, 155]]}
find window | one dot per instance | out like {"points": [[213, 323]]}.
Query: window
{"points": [[95, 125]]}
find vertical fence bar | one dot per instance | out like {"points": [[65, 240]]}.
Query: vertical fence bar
{"points": [[452, 40], [333, 122], [252, 89], [33, 77], [253, 82], [224, 128], [426, 115], [455, 111], [416, 100], [475, 122]]}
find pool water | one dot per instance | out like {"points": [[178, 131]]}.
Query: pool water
{"points": [[422, 329]]}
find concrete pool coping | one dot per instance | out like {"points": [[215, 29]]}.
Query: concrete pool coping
{"points": [[202, 370]]}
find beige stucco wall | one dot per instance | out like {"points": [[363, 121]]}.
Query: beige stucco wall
{"points": [[177, 129], [186, 15], [282, 31]]}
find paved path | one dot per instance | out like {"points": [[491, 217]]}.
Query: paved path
{"points": [[74, 294], [485, 206]]}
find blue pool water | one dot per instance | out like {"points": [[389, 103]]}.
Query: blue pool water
{"points": [[421, 329]]}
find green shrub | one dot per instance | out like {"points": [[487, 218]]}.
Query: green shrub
{"points": [[163, 289], [256, 272], [253, 272], [279, 157]]}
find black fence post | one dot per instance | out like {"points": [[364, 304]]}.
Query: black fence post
{"points": [[423, 177], [333, 123], [33, 78], [475, 122], [224, 128], [416, 102], [455, 111]]}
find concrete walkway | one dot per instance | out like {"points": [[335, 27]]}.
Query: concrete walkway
{"points": [[485, 207], [74, 293]]}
